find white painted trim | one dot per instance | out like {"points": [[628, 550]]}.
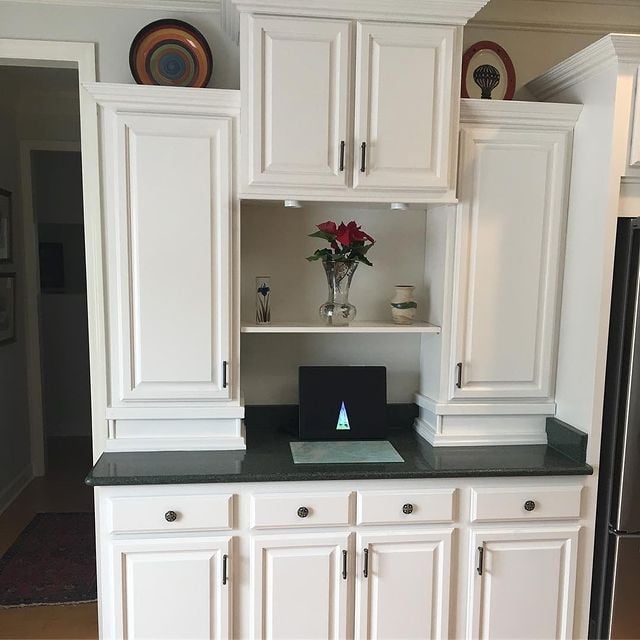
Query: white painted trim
{"points": [[546, 116], [15, 488], [494, 408], [203, 6], [32, 296], [173, 412], [606, 53], [83, 56], [428, 11], [440, 438]]}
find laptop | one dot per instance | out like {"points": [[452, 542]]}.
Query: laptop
{"points": [[343, 403]]}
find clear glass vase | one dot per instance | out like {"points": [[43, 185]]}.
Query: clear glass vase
{"points": [[337, 311]]}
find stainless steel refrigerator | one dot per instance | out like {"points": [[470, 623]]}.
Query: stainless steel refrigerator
{"points": [[615, 597]]}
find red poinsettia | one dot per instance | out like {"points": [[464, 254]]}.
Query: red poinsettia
{"points": [[348, 242]]}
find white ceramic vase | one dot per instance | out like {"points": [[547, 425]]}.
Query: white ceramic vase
{"points": [[403, 306]]}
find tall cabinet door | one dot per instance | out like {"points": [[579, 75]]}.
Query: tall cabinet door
{"points": [[168, 589], [168, 191], [415, 564], [404, 106], [297, 79], [522, 584], [300, 586], [510, 230]]}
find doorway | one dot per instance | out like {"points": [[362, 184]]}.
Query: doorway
{"points": [[49, 431]]}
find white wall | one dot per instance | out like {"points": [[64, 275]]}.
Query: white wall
{"points": [[113, 29]]}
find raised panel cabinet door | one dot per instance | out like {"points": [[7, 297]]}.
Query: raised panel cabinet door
{"points": [[170, 256], [522, 584], [405, 107], [510, 230], [298, 92], [170, 588], [403, 585], [300, 586]]}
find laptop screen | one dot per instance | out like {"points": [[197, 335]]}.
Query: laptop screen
{"points": [[343, 403]]}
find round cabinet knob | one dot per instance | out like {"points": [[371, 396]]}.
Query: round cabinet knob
{"points": [[529, 505], [171, 516], [303, 512], [407, 508]]}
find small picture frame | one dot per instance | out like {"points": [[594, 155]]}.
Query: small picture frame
{"points": [[6, 231], [7, 308]]}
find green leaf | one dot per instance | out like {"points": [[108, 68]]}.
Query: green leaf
{"points": [[323, 235]]}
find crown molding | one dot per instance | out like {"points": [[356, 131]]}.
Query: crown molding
{"points": [[455, 12], [606, 53], [197, 6], [505, 113], [142, 97], [593, 17]]}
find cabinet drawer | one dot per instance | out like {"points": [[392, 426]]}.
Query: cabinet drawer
{"points": [[156, 513], [391, 507], [300, 510], [525, 503]]}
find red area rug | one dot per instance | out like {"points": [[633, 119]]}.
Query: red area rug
{"points": [[51, 562]]}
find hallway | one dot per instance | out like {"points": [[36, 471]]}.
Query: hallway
{"points": [[62, 489]]}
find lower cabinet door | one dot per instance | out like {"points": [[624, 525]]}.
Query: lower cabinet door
{"points": [[300, 586], [403, 585], [170, 589], [522, 583]]}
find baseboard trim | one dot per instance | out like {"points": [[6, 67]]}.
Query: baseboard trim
{"points": [[15, 487]]}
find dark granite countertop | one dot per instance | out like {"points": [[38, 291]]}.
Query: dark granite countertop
{"points": [[268, 459]]}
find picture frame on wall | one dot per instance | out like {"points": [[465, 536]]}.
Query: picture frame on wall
{"points": [[7, 308], [6, 232]]}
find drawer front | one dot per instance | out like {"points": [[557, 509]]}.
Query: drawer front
{"points": [[392, 507], [172, 513], [300, 510], [525, 503]]}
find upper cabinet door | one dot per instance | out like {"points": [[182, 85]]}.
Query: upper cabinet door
{"points": [[297, 88], [168, 195], [510, 229], [406, 106]]}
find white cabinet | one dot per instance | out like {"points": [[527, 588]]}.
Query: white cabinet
{"points": [[305, 139], [301, 585], [170, 217], [403, 585], [169, 588], [511, 219], [299, 88], [403, 107], [522, 583]]}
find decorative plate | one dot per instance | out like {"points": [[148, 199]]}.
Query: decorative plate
{"points": [[171, 53], [487, 71]]}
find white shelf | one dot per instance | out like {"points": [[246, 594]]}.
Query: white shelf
{"points": [[355, 327]]}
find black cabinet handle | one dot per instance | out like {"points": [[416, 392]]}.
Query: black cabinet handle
{"points": [[344, 565], [363, 157], [529, 505], [225, 567], [365, 570], [171, 516], [480, 560], [225, 366], [459, 375], [342, 152], [303, 512]]}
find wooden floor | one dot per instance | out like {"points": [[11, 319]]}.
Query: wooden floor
{"points": [[62, 489]]}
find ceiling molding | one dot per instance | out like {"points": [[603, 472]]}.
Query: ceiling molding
{"points": [[174, 6], [607, 53], [455, 12], [591, 17]]}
